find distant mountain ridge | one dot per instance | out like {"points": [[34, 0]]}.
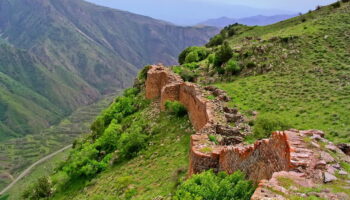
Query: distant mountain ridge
{"points": [[61, 54], [259, 20]]}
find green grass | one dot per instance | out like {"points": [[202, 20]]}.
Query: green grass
{"points": [[304, 80], [156, 171]]}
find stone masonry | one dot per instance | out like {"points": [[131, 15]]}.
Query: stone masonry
{"points": [[283, 153]]}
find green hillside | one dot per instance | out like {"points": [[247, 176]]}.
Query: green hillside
{"points": [[57, 56], [298, 70], [62, 54]]}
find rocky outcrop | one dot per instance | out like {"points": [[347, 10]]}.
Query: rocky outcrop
{"points": [[284, 154]]}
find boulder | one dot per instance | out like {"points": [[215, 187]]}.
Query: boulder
{"points": [[329, 177]]}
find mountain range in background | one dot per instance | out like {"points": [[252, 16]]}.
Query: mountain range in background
{"points": [[57, 55], [184, 12], [259, 20]]}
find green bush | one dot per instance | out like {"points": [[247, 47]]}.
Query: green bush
{"points": [[131, 142], [143, 73], [211, 58], [268, 123], [191, 66], [232, 67], [188, 75], [216, 41], [209, 186], [193, 54], [223, 55], [176, 108], [192, 57], [42, 189]]}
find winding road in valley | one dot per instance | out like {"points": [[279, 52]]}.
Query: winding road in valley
{"points": [[27, 171]]}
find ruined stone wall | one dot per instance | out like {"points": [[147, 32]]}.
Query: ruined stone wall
{"points": [[162, 83], [259, 161], [284, 154]]}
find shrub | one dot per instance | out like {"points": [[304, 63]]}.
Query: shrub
{"points": [[42, 189], [211, 58], [201, 52], [176, 108], [192, 57], [216, 41], [232, 67], [213, 139], [191, 66], [210, 186], [131, 142], [188, 75], [223, 55], [108, 141], [345, 1], [267, 123], [143, 73]]}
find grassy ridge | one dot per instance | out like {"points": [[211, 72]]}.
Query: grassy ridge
{"points": [[155, 172], [298, 69], [308, 83]]}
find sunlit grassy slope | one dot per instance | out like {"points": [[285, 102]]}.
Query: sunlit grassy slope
{"points": [[155, 172], [299, 69]]}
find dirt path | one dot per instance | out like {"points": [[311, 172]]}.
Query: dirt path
{"points": [[27, 171]]}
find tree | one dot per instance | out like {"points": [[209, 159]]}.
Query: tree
{"points": [[223, 55], [215, 41], [192, 57]]}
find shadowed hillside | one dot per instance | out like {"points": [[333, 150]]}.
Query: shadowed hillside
{"points": [[66, 53]]}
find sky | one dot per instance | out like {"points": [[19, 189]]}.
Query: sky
{"points": [[191, 12]]}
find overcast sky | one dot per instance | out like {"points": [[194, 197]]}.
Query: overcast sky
{"points": [[189, 12]]}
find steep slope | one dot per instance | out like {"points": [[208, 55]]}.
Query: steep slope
{"points": [[75, 51], [297, 70]]}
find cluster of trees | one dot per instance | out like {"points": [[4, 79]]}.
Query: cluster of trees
{"points": [[222, 60], [115, 137], [211, 186]]}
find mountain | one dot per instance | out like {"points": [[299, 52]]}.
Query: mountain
{"points": [[169, 10], [259, 20], [57, 55], [287, 76]]}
